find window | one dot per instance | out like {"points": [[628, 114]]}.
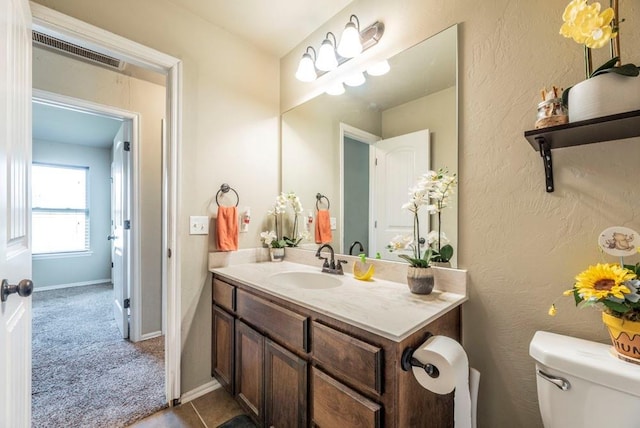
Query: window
{"points": [[60, 209]]}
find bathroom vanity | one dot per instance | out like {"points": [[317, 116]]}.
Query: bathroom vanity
{"points": [[300, 348]]}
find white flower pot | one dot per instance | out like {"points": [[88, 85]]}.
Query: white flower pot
{"points": [[603, 95], [276, 254]]}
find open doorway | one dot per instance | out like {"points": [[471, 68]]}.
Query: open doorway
{"points": [[77, 147]]}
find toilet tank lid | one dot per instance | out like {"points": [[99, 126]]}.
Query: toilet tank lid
{"points": [[585, 359]]}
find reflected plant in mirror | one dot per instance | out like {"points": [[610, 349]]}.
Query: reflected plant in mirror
{"points": [[279, 237], [433, 191]]}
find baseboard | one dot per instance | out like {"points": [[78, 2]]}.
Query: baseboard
{"points": [[150, 335], [200, 391], [72, 284]]}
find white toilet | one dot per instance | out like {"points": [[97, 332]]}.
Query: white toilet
{"points": [[582, 385]]}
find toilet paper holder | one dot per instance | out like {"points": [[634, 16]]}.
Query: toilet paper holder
{"points": [[407, 361]]}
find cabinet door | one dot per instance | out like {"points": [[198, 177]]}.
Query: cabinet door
{"points": [[285, 388], [337, 405], [222, 348], [250, 370]]}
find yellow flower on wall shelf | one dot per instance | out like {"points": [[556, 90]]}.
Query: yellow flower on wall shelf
{"points": [[585, 24]]}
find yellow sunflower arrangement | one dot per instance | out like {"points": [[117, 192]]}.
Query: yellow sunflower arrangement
{"points": [[611, 287]]}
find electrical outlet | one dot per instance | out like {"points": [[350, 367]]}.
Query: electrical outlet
{"points": [[333, 223], [198, 225]]}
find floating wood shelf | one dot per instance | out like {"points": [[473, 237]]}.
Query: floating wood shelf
{"points": [[606, 128]]}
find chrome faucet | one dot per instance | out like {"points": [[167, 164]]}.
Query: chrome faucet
{"points": [[353, 245], [330, 265]]}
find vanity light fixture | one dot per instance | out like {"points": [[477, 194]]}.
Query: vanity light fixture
{"points": [[337, 89], [327, 60], [379, 69], [306, 69], [350, 42], [355, 79]]}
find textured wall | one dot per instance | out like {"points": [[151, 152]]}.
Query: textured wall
{"points": [[522, 246]]}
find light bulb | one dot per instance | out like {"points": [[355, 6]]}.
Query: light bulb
{"points": [[350, 44], [356, 79], [379, 69], [327, 60], [306, 70], [337, 89]]}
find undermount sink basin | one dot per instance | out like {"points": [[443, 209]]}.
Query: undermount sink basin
{"points": [[306, 280]]}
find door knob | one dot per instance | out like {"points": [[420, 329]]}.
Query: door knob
{"points": [[110, 237], [24, 288]]}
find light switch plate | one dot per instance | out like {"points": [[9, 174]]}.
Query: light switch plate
{"points": [[333, 223], [198, 225]]}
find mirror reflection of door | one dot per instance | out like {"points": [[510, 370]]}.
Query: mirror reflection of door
{"points": [[120, 214], [356, 160], [399, 162]]}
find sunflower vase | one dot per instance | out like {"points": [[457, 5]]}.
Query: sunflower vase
{"points": [[625, 336]]}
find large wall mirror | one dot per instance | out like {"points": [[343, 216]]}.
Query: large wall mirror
{"points": [[406, 119]]}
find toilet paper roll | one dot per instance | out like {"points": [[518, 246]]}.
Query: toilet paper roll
{"points": [[452, 363]]}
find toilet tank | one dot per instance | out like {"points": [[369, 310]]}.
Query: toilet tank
{"points": [[600, 391]]}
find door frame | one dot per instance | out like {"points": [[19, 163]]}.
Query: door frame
{"points": [[134, 273], [51, 22], [365, 138]]}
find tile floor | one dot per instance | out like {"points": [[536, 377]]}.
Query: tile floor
{"points": [[208, 411]]}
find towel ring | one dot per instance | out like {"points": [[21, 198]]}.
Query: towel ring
{"points": [[225, 189], [319, 198]]}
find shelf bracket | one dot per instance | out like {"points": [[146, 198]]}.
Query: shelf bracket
{"points": [[545, 152]]}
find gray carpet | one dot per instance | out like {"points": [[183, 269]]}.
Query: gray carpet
{"points": [[84, 373]]}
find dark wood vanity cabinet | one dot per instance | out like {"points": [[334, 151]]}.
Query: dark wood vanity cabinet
{"points": [[289, 366], [222, 352], [285, 387], [249, 371]]}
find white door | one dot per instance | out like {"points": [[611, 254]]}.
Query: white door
{"points": [[120, 232], [399, 163], [15, 211]]}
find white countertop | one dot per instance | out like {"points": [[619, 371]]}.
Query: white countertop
{"points": [[382, 307]]}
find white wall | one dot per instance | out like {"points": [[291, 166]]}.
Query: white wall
{"points": [[97, 266], [62, 75], [521, 245]]}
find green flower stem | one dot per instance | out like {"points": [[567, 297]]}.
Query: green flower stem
{"points": [[416, 232], [588, 62]]}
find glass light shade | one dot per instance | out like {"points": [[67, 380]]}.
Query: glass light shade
{"points": [[337, 89], [306, 70], [327, 60], [379, 69], [356, 79], [350, 44]]}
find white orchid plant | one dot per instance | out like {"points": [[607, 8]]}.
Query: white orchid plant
{"points": [[277, 238], [432, 191]]}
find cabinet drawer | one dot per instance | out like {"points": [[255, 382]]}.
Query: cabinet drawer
{"points": [[350, 358], [274, 320], [336, 405], [224, 295]]}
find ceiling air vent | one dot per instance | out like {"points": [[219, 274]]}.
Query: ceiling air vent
{"points": [[77, 51]]}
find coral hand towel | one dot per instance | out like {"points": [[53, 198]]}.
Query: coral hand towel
{"points": [[323, 227], [227, 229]]}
